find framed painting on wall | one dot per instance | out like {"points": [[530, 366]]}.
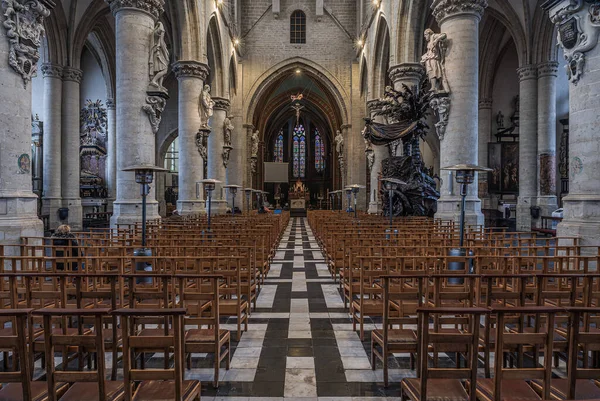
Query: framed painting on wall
{"points": [[503, 159]]}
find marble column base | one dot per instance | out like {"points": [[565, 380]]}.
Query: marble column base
{"points": [[130, 212], [75, 219], [582, 218], [18, 218], [218, 206], [448, 208], [524, 219], [191, 207], [50, 208], [374, 208]]}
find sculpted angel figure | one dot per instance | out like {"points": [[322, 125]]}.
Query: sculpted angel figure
{"points": [[159, 57], [339, 143], [206, 106], [228, 129], [254, 139], [434, 59]]}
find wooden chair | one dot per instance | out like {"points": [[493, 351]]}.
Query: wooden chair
{"points": [[201, 301], [400, 305], [155, 384], [445, 383], [85, 385]]}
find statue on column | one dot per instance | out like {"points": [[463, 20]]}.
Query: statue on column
{"points": [[159, 57], [254, 139], [206, 106], [434, 60], [227, 130], [339, 143]]}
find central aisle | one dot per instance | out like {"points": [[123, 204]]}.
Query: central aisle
{"points": [[300, 343]]}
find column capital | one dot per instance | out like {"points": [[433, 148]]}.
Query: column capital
{"points": [[406, 71], [345, 126], [110, 104], [190, 69], [72, 74], [485, 103], [527, 72], [548, 69], [221, 103], [444, 9], [50, 70], [248, 126], [153, 7]]}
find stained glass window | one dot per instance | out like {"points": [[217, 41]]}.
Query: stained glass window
{"points": [[319, 152], [278, 151], [299, 152]]}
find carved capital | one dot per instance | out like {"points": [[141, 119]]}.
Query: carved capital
{"points": [[345, 126], [444, 9], [50, 70], [24, 24], [110, 104], [249, 128], [406, 71], [578, 26], [485, 103], [221, 103], [72, 74], [190, 69], [549, 69], [153, 7], [527, 72]]}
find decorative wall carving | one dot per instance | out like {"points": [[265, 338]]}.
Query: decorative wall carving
{"points": [[159, 58], [152, 7], [578, 25], [190, 69], [441, 107], [443, 9], [154, 109], [24, 24]]}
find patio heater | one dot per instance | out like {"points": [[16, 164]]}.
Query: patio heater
{"points": [[233, 189], [209, 185]]}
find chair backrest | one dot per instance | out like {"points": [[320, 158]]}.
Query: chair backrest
{"points": [[449, 342], [581, 336], [515, 337], [16, 342], [199, 295], [171, 341], [404, 293], [94, 341]]}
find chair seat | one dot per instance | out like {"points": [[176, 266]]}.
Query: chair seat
{"points": [[369, 307], [398, 336], [89, 391], [584, 389], [159, 390], [39, 391], [437, 390], [204, 335], [154, 332], [70, 332], [511, 390]]}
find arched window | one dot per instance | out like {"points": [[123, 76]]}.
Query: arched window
{"points": [[319, 152], [298, 27], [278, 151], [299, 151]]}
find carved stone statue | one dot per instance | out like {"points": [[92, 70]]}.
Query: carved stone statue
{"points": [[159, 57], [434, 60], [441, 106], [254, 139], [201, 139], [227, 130], [206, 106], [500, 120], [339, 143]]}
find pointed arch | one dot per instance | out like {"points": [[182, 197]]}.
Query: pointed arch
{"points": [[382, 59], [215, 59]]}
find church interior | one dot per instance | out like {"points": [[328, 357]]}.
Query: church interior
{"points": [[299, 199]]}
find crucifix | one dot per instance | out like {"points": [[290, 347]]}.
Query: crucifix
{"points": [[297, 107]]}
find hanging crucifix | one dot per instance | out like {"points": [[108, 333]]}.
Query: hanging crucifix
{"points": [[297, 107]]}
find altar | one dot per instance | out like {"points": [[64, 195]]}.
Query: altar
{"points": [[298, 195]]}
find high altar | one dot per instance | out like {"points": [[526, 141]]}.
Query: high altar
{"points": [[299, 195]]}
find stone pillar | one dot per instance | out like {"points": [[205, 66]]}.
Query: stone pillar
{"points": [[246, 160], [582, 205], [134, 26], [216, 168], [18, 204], [111, 153], [547, 73], [528, 154], [52, 194], [460, 22], [70, 147], [191, 76], [381, 153], [484, 137]]}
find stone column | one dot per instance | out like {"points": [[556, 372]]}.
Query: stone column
{"points": [[381, 153], [246, 160], [70, 146], [528, 153], [134, 26], [216, 140], [52, 194], [547, 73], [18, 204], [582, 52], [460, 22], [111, 153], [484, 137], [191, 76]]}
